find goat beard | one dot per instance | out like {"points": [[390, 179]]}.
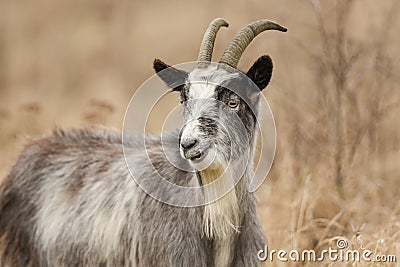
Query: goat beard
{"points": [[221, 216]]}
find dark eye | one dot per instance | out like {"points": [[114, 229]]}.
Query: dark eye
{"points": [[233, 103]]}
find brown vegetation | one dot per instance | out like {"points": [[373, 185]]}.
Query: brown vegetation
{"points": [[334, 93]]}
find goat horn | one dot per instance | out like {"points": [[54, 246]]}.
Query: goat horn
{"points": [[243, 38], [207, 44]]}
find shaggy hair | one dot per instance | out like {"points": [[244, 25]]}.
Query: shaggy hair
{"points": [[70, 201]]}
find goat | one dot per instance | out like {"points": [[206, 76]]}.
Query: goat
{"points": [[70, 199]]}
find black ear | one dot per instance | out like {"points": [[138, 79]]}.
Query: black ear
{"points": [[174, 78], [261, 71]]}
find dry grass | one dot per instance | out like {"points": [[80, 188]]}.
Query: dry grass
{"points": [[334, 95]]}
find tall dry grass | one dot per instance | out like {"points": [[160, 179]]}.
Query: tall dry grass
{"points": [[335, 96]]}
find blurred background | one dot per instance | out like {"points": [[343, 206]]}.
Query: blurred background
{"points": [[334, 94]]}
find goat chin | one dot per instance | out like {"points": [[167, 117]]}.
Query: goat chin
{"points": [[221, 217]]}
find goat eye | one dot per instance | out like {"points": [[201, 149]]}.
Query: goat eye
{"points": [[233, 103]]}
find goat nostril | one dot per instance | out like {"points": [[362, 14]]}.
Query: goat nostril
{"points": [[188, 143]]}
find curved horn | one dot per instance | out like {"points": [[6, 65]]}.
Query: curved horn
{"points": [[207, 44], [243, 38]]}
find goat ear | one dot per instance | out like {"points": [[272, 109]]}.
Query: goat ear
{"points": [[173, 78], [261, 71]]}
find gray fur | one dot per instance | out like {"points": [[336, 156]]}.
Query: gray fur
{"points": [[70, 199], [80, 176]]}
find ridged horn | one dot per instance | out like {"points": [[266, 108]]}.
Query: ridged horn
{"points": [[207, 44], [244, 37]]}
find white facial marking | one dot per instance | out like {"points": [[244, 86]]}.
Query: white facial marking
{"points": [[204, 81], [201, 90]]}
